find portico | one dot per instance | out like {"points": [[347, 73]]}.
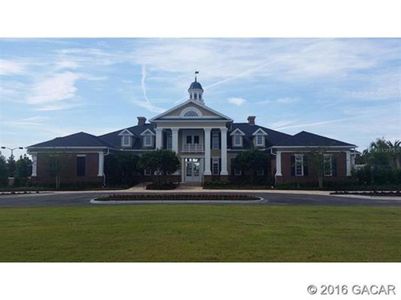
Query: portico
{"points": [[193, 145]]}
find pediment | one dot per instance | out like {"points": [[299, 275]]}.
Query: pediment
{"points": [[190, 110]]}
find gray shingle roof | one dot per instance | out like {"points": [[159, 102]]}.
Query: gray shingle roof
{"points": [[305, 138], [114, 139], [80, 139], [273, 137]]}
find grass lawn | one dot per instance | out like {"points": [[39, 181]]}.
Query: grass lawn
{"points": [[201, 233]]}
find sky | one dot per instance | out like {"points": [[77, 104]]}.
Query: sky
{"points": [[347, 89]]}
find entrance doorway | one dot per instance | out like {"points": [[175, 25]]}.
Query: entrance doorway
{"points": [[193, 169]]}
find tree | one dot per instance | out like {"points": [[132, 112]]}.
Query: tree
{"points": [[250, 162], [55, 167], [160, 163], [3, 171], [382, 161], [121, 168], [11, 166], [317, 163], [23, 169]]}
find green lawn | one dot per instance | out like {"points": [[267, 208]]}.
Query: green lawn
{"points": [[201, 233]]}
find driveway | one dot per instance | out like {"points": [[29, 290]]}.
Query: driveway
{"points": [[276, 197]]}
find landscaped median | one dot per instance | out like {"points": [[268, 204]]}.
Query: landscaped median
{"points": [[176, 198]]}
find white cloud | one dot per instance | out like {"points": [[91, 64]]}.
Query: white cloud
{"points": [[49, 92], [236, 101], [11, 67]]}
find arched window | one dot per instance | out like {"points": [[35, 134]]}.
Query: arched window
{"points": [[191, 113]]}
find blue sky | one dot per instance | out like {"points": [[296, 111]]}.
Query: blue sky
{"points": [[348, 89]]}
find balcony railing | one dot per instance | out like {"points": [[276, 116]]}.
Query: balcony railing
{"points": [[192, 148]]}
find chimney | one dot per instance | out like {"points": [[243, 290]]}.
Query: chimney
{"points": [[141, 121], [251, 120]]}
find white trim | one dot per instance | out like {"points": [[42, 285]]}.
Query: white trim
{"points": [[188, 109], [68, 147], [34, 164], [348, 164], [278, 164], [259, 130], [237, 130], [100, 167], [154, 119], [81, 155], [129, 143], [323, 147], [302, 164], [126, 132], [147, 132], [256, 140], [234, 144]]}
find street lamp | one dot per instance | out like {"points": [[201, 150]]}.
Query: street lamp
{"points": [[11, 149]]}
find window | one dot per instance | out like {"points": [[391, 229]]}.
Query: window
{"points": [[126, 141], [189, 139], [196, 96], [169, 142], [196, 139], [328, 164], [237, 172], [260, 172], [147, 140], [147, 172], [81, 165], [260, 141], [237, 140], [215, 140], [215, 166], [191, 113], [299, 165]]}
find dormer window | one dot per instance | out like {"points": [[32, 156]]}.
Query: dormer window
{"points": [[237, 138], [260, 135], [147, 138], [126, 141], [260, 140], [126, 138]]}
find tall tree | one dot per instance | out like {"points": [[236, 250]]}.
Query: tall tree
{"points": [[23, 169], [11, 166], [3, 171]]}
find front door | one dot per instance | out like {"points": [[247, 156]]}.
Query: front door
{"points": [[192, 170]]}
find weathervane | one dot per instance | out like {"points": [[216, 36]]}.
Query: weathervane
{"points": [[196, 73]]}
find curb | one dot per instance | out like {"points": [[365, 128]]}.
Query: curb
{"points": [[94, 201]]}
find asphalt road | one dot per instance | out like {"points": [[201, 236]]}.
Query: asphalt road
{"points": [[83, 198]]}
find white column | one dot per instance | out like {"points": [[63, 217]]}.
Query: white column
{"points": [[207, 151], [100, 167], [278, 164], [174, 139], [159, 138], [34, 164], [223, 151], [348, 163]]}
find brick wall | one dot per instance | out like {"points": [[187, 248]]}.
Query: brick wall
{"points": [[312, 177], [68, 163]]}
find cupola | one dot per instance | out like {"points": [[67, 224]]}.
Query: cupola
{"points": [[195, 90]]}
